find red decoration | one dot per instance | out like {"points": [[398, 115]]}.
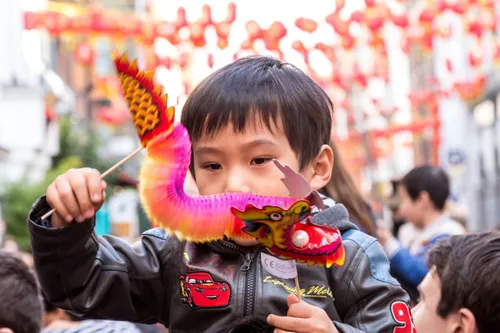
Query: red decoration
{"points": [[85, 54], [306, 25]]}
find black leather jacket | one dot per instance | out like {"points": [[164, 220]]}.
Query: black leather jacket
{"points": [[198, 287]]}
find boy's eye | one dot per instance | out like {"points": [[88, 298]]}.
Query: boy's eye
{"points": [[212, 166], [260, 160]]}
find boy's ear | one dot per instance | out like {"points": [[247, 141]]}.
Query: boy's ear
{"points": [[322, 168], [463, 321]]}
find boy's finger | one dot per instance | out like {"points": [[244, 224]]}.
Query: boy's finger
{"points": [[277, 330], [300, 310], [55, 202], [292, 299], [67, 197], [79, 186], [289, 323], [93, 178]]}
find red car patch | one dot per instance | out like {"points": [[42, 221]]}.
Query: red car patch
{"points": [[199, 290]]}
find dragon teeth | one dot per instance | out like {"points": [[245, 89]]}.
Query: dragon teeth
{"points": [[323, 242]]}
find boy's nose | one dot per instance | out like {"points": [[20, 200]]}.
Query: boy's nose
{"points": [[237, 183]]}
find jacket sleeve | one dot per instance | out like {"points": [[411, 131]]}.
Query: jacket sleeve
{"points": [[412, 269], [368, 299], [103, 277]]}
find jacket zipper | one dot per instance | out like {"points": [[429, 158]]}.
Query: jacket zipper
{"points": [[250, 277]]}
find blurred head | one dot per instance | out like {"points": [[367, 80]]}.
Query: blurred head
{"points": [[423, 191], [342, 188], [461, 294], [21, 307], [250, 112]]}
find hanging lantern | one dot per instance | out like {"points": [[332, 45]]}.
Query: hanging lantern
{"points": [[222, 29], [449, 65], [222, 43], [206, 16], [306, 25], [400, 20], [475, 57], [197, 34], [231, 13], [254, 31], [210, 60], [181, 18], [85, 54], [340, 26]]}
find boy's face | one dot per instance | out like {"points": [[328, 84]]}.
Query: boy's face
{"points": [[242, 162], [425, 313], [411, 210]]}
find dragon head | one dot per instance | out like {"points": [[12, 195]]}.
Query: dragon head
{"points": [[269, 224], [291, 234]]}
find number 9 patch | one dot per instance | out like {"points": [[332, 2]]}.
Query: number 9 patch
{"points": [[402, 315]]}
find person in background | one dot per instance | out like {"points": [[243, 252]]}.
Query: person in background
{"points": [[343, 190], [460, 294], [21, 306], [424, 192], [56, 320]]}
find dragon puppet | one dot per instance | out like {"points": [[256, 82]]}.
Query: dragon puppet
{"points": [[282, 224]]}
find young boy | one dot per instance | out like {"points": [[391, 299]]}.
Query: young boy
{"points": [[239, 119], [460, 294], [423, 192]]}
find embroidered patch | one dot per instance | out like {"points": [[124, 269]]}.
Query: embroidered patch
{"points": [[313, 291], [402, 315], [199, 290]]}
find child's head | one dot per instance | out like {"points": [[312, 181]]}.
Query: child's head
{"points": [[250, 112], [461, 292], [20, 302], [423, 191]]}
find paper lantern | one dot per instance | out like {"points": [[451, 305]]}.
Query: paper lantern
{"points": [[231, 13], [340, 26], [85, 54], [306, 25]]}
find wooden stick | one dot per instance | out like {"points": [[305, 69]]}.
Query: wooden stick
{"points": [[106, 173], [297, 287]]}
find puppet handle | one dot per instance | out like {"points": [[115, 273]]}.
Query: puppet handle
{"points": [[106, 173]]}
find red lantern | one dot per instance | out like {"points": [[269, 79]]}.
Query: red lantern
{"points": [[231, 13], [496, 53], [222, 29], [210, 60], [475, 57], [197, 35], [339, 4], [370, 3], [306, 25], [85, 54], [449, 65], [400, 20], [340, 26], [206, 16], [222, 43], [31, 20], [254, 31], [357, 16], [181, 18]]}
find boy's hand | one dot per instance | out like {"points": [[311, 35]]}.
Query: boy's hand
{"points": [[75, 195], [302, 318]]}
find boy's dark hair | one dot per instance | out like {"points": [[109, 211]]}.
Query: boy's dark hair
{"points": [[265, 87], [251, 324], [21, 307], [432, 180], [469, 269]]}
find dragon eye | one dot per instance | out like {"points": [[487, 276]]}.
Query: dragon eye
{"points": [[275, 216]]}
